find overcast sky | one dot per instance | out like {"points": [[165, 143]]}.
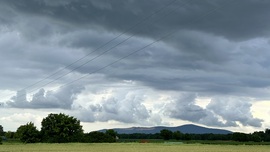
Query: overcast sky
{"points": [[129, 63]]}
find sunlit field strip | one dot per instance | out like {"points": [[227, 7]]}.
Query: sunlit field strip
{"points": [[131, 147]]}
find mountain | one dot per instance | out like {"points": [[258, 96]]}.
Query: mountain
{"points": [[192, 129]]}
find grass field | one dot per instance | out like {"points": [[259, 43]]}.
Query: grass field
{"points": [[131, 147]]}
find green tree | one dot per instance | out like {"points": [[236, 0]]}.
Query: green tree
{"points": [[256, 138], [267, 135], [111, 133], [187, 136], [10, 135], [166, 134], [177, 135], [267, 131], [238, 136], [28, 133], [1, 130], [61, 128], [98, 137]]}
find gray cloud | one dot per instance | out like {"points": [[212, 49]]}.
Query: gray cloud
{"points": [[234, 110], [220, 67], [219, 112], [62, 98], [230, 20], [184, 108], [127, 109], [222, 54]]}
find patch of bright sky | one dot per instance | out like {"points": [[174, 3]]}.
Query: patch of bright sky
{"points": [[260, 109]]}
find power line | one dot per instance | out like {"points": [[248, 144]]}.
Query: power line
{"points": [[184, 4], [142, 48], [99, 55], [103, 45], [98, 48]]}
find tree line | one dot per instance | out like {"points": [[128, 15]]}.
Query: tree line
{"points": [[165, 134], [61, 128], [58, 128]]}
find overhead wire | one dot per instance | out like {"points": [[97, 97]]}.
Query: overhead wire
{"points": [[145, 19], [142, 48], [104, 52]]}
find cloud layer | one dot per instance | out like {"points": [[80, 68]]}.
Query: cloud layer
{"points": [[86, 49]]}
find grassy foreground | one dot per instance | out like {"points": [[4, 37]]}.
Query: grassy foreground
{"points": [[131, 147]]}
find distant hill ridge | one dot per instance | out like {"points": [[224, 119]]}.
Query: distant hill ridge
{"points": [[192, 129]]}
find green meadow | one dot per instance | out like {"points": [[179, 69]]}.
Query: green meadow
{"points": [[131, 147]]}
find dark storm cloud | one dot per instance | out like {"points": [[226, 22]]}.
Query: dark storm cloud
{"points": [[188, 61], [233, 19]]}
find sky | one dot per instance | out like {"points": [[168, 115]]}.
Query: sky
{"points": [[123, 63]]}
